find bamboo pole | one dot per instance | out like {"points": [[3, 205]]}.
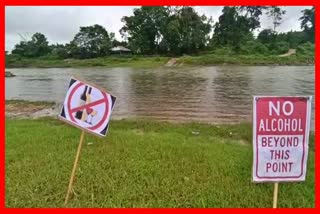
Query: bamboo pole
{"points": [[74, 168], [275, 195]]}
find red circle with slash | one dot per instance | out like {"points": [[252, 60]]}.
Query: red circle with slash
{"points": [[104, 101]]}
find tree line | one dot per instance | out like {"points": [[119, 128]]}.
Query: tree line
{"points": [[179, 30]]}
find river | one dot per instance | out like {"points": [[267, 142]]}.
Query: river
{"points": [[214, 94]]}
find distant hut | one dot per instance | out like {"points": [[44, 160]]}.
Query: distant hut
{"points": [[120, 50]]}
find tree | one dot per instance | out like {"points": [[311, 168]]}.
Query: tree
{"points": [[115, 42], [266, 36], [89, 42], [36, 47], [232, 29], [185, 32], [142, 30], [113, 39], [41, 45], [59, 51], [307, 23], [276, 14], [174, 30], [253, 13], [293, 38]]}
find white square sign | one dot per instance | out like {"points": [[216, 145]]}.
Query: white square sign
{"points": [[87, 107]]}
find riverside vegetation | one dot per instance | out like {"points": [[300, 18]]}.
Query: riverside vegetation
{"points": [[304, 56], [156, 34]]}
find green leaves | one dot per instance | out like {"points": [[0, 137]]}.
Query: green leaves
{"points": [[307, 23], [90, 42], [36, 47], [176, 30], [232, 28], [276, 14]]}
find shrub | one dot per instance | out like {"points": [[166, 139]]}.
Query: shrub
{"points": [[254, 47], [306, 49], [223, 51], [278, 48]]}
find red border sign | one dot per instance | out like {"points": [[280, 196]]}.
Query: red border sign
{"points": [[280, 138]]}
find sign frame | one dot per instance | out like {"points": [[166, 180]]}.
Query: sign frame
{"points": [[76, 125], [305, 142]]}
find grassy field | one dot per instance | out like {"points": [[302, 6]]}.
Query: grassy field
{"points": [[146, 62], [141, 164]]}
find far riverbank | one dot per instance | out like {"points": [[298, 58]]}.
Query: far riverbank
{"points": [[156, 61]]}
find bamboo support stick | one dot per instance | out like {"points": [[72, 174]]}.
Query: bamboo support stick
{"points": [[74, 168], [275, 195]]}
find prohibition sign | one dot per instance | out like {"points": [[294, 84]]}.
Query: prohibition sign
{"points": [[95, 102], [104, 101]]}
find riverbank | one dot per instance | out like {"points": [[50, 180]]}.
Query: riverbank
{"points": [[141, 163], [29, 109], [147, 62], [136, 62]]}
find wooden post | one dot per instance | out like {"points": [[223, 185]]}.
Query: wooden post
{"points": [[74, 168], [275, 195]]}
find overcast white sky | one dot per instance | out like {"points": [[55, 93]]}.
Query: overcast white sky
{"points": [[61, 23]]}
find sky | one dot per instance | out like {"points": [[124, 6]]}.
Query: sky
{"points": [[60, 23]]}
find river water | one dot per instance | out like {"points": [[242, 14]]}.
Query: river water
{"points": [[214, 94]]}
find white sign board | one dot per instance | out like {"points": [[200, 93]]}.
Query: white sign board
{"points": [[280, 138], [87, 107]]}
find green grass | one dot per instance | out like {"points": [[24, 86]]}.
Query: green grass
{"points": [[141, 164], [140, 62], [216, 59]]}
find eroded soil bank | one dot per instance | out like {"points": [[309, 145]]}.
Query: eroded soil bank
{"points": [[27, 109]]}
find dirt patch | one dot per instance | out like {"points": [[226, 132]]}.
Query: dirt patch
{"points": [[289, 53], [25, 109], [173, 62]]}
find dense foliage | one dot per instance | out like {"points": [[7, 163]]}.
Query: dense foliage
{"points": [[180, 30], [37, 46]]}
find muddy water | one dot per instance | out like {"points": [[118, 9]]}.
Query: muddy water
{"points": [[205, 94]]}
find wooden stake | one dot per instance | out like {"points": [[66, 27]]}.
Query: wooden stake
{"points": [[275, 195], [74, 168]]}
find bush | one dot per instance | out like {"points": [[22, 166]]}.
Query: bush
{"points": [[254, 47], [223, 51], [279, 47], [306, 49], [261, 49], [51, 56]]}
